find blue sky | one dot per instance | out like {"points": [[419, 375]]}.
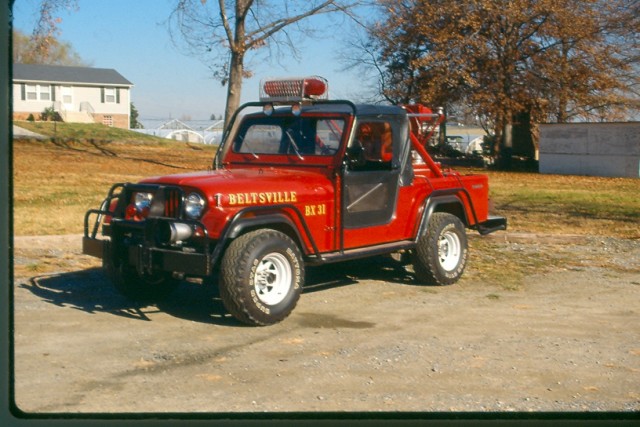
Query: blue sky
{"points": [[131, 36]]}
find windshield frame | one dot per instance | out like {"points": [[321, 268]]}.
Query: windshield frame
{"points": [[337, 110]]}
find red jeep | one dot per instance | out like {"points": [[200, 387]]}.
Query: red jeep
{"points": [[298, 180]]}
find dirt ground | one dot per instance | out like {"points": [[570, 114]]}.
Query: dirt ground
{"points": [[363, 338]]}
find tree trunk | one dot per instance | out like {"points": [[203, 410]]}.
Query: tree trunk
{"points": [[234, 86], [563, 101], [238, 47], [498, 132], [506, 149]]}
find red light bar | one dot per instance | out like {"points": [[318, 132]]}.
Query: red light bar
{"points": [[294, 89]]}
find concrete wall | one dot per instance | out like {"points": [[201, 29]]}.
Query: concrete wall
{"points": [[595, 149]]}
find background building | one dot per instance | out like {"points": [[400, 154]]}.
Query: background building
{"points": [[77, 94]]}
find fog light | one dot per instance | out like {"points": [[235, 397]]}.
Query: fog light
{"points": [[131, 212]]}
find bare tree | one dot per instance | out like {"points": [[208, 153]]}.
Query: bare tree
{"points": [[223, 33]]}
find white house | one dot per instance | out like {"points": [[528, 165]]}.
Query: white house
{"points": [[78, 94]]}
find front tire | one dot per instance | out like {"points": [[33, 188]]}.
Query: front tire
{"points": [[261, 277], [441, 253]]}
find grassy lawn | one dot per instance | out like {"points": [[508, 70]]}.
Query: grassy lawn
{"points": [[57, 180], [566, 204], [80, 131]]}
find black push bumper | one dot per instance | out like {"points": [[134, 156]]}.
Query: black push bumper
{"points": [[149, 258], [133, 244]]}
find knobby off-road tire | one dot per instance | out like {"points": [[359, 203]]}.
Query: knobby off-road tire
{"points": [[261, 277], [146, 288], [441, 253]]}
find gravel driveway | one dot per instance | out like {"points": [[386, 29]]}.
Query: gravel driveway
{"points": [[363, 337]]}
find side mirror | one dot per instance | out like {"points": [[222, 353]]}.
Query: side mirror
{"points": [[355, 156]]}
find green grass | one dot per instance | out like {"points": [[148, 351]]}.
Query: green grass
{"points": [[87, 131], [567, 204]]}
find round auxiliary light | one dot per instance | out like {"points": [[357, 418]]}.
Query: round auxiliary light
{"points": [[130, 212], [267, 109], [194, 205], [142, 200], [296, 109]]}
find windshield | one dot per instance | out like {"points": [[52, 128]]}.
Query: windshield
{"points": [[296, 135]]}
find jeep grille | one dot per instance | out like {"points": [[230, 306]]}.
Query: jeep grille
{"points": [[173, 202]]}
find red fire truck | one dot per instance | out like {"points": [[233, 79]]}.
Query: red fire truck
{"points": [[298, 180]]}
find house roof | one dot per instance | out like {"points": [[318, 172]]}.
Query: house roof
{"points": [[63, 74]]}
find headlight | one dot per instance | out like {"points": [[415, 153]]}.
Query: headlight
{"points": [[142, 200], [194, 205]]}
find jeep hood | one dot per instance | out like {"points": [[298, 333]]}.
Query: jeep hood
{"points": [[251, 182]]}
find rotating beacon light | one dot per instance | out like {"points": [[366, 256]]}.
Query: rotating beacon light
{"points": [[297, 89]]}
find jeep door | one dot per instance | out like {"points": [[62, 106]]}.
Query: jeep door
{"points": [[377, 165]]}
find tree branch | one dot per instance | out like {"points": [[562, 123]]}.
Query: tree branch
{"points": [[226, 25], [275, 26]]}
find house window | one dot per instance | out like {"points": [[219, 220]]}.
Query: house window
{"points": [[107, 120], [45, 93], [37, 92], [109, 95], [32, 92], [67, 97]]}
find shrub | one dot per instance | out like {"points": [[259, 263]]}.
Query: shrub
{"points": [[50, 114]]}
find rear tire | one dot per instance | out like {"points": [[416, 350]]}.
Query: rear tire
{"points": [[261, 277], [441, 253]]}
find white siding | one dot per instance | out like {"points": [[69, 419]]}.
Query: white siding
{"points": [[27, 105]]}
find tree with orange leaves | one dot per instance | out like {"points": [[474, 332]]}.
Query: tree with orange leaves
{"points": [[546, 60]]}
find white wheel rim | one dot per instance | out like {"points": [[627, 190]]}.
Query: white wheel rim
{"points": [[449, 250], [273, 278]]}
